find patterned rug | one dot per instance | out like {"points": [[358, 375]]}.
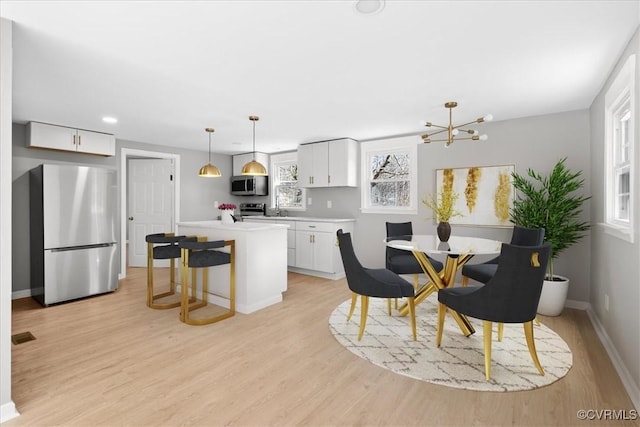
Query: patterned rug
{"points": [[459, 362]]}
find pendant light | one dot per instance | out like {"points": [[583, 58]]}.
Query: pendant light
{"points": [[209, 170], [254, 167]]}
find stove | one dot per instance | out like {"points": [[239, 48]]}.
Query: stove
{"points": [[253, 209]]}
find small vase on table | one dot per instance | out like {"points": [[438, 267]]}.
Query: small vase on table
{"points": [[444, 231], [225, 216]]}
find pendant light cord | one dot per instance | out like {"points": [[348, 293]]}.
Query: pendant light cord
{"points": [[209, 147], [254, 140]]}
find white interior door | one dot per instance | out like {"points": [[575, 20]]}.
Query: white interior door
{"points": [[150, 205]]}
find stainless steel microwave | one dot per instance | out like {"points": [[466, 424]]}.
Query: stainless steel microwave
{"points": [[247, 185]]}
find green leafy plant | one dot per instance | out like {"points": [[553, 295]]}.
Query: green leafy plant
{"points": [[442, 204], [549, 203]]}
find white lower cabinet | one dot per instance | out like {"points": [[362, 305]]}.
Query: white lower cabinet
{"points": [[312, 246], [317, 247]]}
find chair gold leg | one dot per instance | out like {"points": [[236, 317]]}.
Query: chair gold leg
{"points": [[442, 310], [528, 333], [487, 325], [537, 322], [465, 280], [412, 316], [389, 305], [500, 331], [354, 298], [363, 315], [416, 283], [395, 304]]}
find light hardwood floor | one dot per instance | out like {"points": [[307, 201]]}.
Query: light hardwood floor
{"points": [[110, 360]]}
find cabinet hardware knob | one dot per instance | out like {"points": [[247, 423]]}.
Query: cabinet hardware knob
{"points": [[130, 218]]}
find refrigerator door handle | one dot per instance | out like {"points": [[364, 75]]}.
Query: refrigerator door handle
{"points": [[75, 248]]}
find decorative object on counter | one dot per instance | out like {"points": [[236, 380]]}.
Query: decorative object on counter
{"points": [[548, 202], [209, 170], [254, 167], [442, 204], [226, 213], [452, 131]]}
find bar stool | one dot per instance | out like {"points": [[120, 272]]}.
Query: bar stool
{"points": [[204, 254], [163, 246]]}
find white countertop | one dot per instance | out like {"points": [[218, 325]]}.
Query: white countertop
{"points": [[298, 218], [240, 226]]}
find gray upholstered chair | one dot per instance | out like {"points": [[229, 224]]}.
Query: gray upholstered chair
{"points": [[378, 283], [484, 272], [163, 246], [403, 262], [204, 254], [510, 296]]}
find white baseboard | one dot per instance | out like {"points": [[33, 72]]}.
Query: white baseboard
{"points": [[627, 380], [8, 411], [580, 305], [25, 293]]}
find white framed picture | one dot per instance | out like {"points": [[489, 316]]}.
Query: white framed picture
{"points": [[485, 194]]}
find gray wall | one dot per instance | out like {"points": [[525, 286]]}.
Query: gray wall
{"points": [[617, 270], [197, 194], [533, 142]]}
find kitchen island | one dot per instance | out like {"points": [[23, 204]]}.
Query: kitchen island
{"points": [[261, 261]]}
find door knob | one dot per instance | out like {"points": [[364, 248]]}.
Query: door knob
{"points": [[130, 218]]}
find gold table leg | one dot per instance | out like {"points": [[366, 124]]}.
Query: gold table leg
{"points": [[441, 280]]}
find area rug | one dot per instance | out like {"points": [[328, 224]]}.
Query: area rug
{"points": [[459, 362]]}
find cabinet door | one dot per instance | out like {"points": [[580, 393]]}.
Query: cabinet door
{"points": [[42, 135], [342, 163], [323, 246], [305, 165], [321, 164], [304, 249], [96, 143]]}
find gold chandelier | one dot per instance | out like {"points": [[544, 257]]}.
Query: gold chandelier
{"points": [[209, 170], [453, 131], [254, 167]]}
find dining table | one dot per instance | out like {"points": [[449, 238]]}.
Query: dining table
{"points": [[457, 251]]}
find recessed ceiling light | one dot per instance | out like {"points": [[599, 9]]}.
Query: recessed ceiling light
{"points": [[369, 7], [110, 120]]}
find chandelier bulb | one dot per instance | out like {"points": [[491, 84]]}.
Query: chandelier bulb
{"points": [[454, 132], [488, 117]]}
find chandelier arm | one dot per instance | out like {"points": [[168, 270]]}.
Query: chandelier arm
{"points": [[438, 132], [465, 124], [452, 139], [437, 126]]}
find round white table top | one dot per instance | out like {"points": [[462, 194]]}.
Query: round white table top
{"points": [[457, 245]]}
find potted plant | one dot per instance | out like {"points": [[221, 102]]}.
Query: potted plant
{"points": [[550, 203], [442, 204]]}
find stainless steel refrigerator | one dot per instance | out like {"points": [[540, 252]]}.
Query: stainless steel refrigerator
{"points": [[74, 251]]}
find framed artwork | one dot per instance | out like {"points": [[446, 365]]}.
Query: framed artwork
{"points": [[485, 194]]}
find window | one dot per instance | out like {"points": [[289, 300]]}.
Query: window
{"points": [[389, 176], [619, 141], [285, 192]]}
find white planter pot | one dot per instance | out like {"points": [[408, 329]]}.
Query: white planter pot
{"points": [[225, 216], [553, 296]]}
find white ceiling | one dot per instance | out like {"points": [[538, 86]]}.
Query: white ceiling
{"points": [[312, 70]]}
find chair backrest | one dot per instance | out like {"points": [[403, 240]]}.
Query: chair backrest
{"points": [[527, 236], [513, 293], [397, 229], [356, 277]]}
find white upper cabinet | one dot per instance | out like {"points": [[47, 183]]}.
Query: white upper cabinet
{"points": [[55, 137], [239, 160], [328, 164]]}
